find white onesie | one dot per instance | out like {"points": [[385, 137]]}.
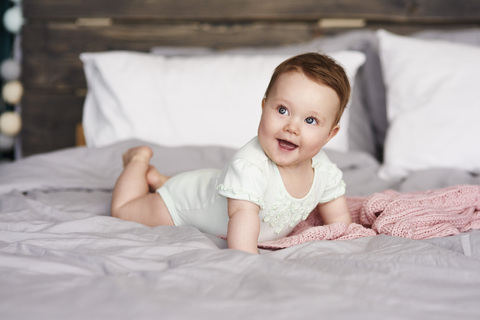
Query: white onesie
{"points": [[199, 198]]}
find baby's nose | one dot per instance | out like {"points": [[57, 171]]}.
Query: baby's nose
{"points": [[292, 127]]}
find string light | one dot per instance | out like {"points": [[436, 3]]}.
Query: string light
{"points": [[12, 92], [10, 123], [13, 19], [10, 69], [10, 72]]}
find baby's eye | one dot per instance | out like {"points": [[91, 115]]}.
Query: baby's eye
{"points": [[282, 110], [311, 120]]}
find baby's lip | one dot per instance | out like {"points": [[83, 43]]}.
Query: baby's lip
{"points": [[287, 145]]}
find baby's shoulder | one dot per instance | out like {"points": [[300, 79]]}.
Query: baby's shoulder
{"points": [[249, 163], [322, 163], [251, 153], [321, 158]]}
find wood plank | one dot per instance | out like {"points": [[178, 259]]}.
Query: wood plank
{"points": [[49, 122], [248, 10], [452, 11], [202, 9], [64, 76], [68, 37]]}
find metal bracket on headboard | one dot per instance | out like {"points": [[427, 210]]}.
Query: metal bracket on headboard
{"points": [[341, 23], [94, 22]]}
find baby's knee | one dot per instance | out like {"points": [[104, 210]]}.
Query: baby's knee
{"points": [[115, 212]]}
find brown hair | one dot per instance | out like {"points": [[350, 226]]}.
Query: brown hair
{"points": [[320, 68]]}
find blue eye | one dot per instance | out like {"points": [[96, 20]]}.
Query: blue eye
{"points": [[311, 120], [282, 110]]}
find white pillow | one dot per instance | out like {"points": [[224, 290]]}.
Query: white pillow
{"points": [[433, 105], [179, 101]]}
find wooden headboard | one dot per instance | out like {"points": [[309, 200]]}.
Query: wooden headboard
{"points": [[56, 32]]}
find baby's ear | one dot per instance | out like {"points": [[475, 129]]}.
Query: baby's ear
{"points": [[333, 133], [263, 102]]}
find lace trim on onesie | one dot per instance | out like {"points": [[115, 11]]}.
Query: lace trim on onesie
{"points": [[239, 194], [244, 181], [287, 211]]}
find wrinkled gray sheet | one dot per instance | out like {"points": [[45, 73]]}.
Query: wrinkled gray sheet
{"points": [[63, 257]]}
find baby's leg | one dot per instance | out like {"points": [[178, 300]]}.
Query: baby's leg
{"points": [[131, 199], [155, 179]]}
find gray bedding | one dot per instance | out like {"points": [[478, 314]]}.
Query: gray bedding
{"points": [[63, 257]]}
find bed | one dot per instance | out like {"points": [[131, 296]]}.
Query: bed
{"points": [[408, 150]]}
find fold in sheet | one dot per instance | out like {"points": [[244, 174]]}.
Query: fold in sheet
{"points": [[413, 215]]}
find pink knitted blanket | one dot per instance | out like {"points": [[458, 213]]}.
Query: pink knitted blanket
{"points": [[414, 215]]}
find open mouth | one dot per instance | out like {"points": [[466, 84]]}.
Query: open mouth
{"points": [[287, 145]]}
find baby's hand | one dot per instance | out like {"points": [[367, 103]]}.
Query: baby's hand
{"points": [[142, 153]]}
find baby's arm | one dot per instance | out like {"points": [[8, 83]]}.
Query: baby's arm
{"points": [[244, 225], [335, 211]]}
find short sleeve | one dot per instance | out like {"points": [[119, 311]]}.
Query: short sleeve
{"points": [[243, 180], [334, 185]]}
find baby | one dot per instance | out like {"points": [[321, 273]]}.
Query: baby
{"points": [[272, 183]]}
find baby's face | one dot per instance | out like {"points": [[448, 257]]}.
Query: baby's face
{"points": [[297, 119]]}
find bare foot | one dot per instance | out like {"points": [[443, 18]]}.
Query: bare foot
{"points": [[155, 179], [142, 153]]}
